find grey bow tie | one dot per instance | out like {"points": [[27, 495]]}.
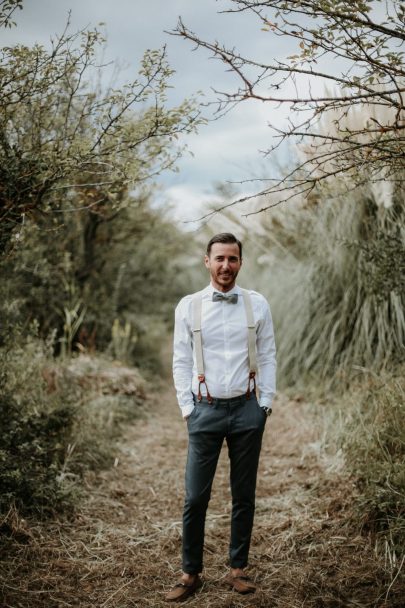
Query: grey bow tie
{"points": [[232, 298]]}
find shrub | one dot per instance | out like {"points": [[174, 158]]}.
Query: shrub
{"points": [[373, 438], [58, 419], [35, 431], [32, 451]]}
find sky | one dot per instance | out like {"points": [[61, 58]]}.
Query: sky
{"points": [[224, 150]]}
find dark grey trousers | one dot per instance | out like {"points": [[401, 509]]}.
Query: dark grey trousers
{"points": [[241, 423]]}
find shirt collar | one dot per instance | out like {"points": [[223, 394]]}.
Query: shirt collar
{"points": [[209, 290]]}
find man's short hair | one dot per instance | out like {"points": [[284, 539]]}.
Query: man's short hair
{"points": [[224, 237]]}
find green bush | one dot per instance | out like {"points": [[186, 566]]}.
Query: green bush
{"points": [[32, 451], [373, 439], [58, 419], [134, 274], [35, 430]]}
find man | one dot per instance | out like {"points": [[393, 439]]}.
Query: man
{"points": [[223, 348]]}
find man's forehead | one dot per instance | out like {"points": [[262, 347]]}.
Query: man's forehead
{"points": [[225, 249]]}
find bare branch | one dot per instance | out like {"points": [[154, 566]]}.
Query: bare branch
{"points": [[326, 128]]}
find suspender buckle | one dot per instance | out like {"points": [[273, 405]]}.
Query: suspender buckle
{"points": [[201, 380], [252, 376]]}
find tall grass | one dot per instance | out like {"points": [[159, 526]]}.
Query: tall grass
{"points": [[363, 434], [373, 439], [336, 285]]}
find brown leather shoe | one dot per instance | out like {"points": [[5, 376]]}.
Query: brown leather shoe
{"points": [[241, 583], [181, 591]]}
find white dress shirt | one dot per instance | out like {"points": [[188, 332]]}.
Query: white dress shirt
{"points": [[225, 349]]}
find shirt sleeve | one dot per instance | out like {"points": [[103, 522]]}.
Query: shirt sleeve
{"points": [[266, 358], [183, 358]]}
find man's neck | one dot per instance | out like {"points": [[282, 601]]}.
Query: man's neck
{"points": [[222, 289]]}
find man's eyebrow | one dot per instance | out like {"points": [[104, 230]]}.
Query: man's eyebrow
{"points": [[231, 257]]}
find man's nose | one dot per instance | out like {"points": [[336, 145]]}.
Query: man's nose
{"points": [[225, 263]]}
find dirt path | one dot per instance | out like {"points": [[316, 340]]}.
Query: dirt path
{"points": [[123, 548]]}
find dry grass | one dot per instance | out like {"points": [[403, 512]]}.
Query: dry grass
{"points": [[122, 549]]}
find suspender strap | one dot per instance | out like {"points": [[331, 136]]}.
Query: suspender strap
{"points": [[251, 340], [251, 330], [197, 307]]}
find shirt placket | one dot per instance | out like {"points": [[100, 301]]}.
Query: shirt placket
{"points": [[227, 346]]}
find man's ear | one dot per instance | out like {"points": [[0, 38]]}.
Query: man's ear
{"points": [[206, 261]]}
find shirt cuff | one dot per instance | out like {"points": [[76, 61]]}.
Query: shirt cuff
{"points": [[265, 403], [186, 409]]}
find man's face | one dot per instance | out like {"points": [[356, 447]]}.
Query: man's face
{"points": [[224, 264]]}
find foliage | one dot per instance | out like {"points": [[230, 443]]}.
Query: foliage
{"points": [[349, 49], [336, 295], [372, 434], [7, 8], [98, 270], [35, 431], [67, 143], [122, 338], [55, 424], [73, 319]]}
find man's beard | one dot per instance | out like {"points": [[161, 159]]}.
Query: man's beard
{"points": [[227, 276]]}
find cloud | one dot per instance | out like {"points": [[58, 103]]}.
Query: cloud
{"points": [[186, 203]]}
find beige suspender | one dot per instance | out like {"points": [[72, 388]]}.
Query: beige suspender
{"points": [[251, 330], [251, 340], [197, 308]]}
